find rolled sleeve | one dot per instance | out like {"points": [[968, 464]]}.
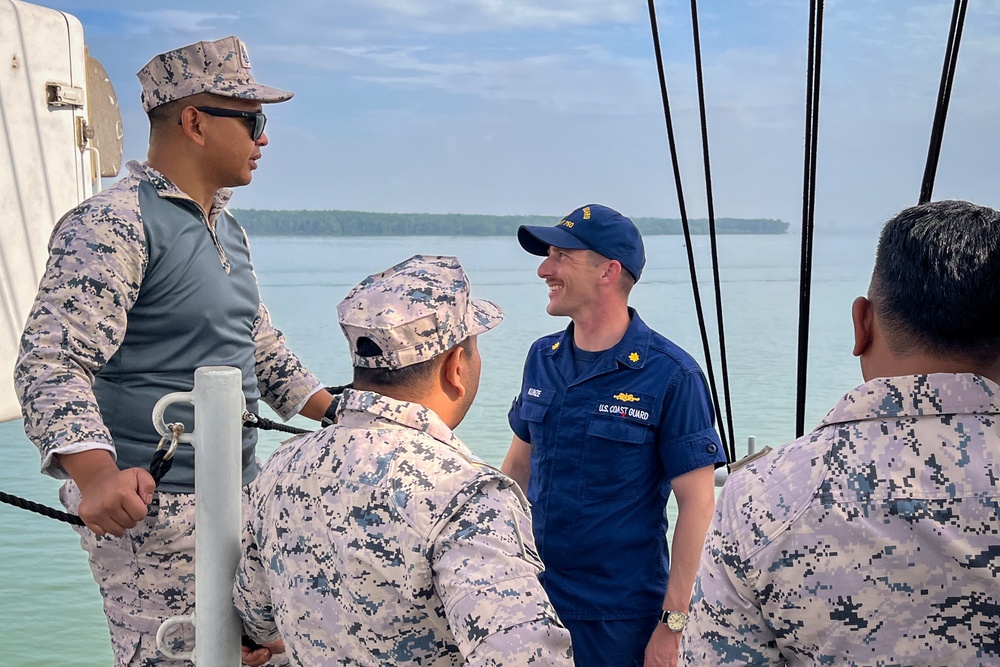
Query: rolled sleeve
{"points": [[688, 438], [96, 261], [517, 424]]}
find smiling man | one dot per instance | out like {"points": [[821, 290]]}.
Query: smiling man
{"points": [[147, 281], [611, 418]]}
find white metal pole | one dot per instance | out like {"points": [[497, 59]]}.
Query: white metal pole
{"points": [[219, 401], [217, 439]]}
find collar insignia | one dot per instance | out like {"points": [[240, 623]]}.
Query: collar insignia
{"points": [[634, 357]]}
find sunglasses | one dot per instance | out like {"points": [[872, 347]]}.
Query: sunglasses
{"points": [[256, 119]]}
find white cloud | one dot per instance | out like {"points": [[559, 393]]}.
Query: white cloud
{"points": [[477, 15], [583, 80], [501, 105], [175, 20]]}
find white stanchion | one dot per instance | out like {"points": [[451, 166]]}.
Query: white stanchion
{"points": [[218, 406], [722, 474]]}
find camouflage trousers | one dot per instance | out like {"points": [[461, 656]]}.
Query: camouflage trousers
{"points": [[146, 577]]}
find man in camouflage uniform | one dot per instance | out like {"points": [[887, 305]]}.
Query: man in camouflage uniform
{"points": [[382, 540], [875, 539], [146, 281]]}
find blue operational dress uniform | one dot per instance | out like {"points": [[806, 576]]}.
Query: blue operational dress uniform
{"points": [[604, 447]]}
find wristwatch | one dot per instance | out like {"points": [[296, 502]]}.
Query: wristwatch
{"points": [[675, 620], [330, 416]]}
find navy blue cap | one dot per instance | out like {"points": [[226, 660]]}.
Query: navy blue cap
{"points": [[591, 227]]}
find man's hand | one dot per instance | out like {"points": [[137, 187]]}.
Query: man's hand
{"points": [[259, 656], [115, 500], [112, 500], [663, 647]]}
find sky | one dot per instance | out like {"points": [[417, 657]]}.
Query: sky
{"points": [[539, 106]]}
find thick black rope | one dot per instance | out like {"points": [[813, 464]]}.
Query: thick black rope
{"points": [[684, 219], [158, 467], [40, 509], [716, 281], [251, 420], [944, 97], [808, 204]]}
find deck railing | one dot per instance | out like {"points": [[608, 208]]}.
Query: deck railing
{"points": [[217, 439]]}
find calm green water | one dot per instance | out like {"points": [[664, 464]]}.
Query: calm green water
{"points": [[50, 608]]}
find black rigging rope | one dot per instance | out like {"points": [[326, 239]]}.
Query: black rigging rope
{"points": [[944, 97], [158, 467], [40, 509], [723, 362], [250, 420], [814, 62], [684, 219]]}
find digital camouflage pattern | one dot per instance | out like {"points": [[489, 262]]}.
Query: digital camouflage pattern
{"points": [[145, 576], [221, 67], [98, 258], [414, 311], [873, 540], [382, 540]]}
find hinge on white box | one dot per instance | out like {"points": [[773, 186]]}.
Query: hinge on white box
{"points": [[84, 133], [63, 95]]}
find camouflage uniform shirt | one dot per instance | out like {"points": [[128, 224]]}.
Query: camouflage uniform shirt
{"points": [[382, 540], [873, 540], [141, 288]]}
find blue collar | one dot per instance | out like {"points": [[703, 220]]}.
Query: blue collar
{"points": [[630, 352]]}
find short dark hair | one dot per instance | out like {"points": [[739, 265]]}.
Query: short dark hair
{"points": [[166, 115], [414, 376], [937, 280], [626, 280]]}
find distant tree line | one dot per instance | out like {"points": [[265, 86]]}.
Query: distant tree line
{"points": [[361, 223]]}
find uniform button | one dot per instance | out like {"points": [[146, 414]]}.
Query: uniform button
{"points": [[711, 449]]}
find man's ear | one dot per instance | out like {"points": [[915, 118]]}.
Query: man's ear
{"points": [[863, 316], [191, 125], [612, 271], [453, 369]]}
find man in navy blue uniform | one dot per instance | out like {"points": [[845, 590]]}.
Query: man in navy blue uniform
{"points": [[611, 418]]}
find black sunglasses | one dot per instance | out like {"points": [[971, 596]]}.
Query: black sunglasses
{"points": [[257, 119]]}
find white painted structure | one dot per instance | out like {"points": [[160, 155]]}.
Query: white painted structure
{"points": [[60, 132], [58, 113], [217, 439]]}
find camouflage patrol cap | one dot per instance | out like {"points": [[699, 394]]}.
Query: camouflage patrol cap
{"points": [[221, 67], [412, 312]]}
